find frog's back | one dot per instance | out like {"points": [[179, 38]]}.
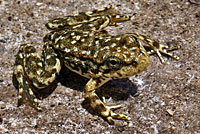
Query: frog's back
{"points": [[76, 43], [91, 45]]}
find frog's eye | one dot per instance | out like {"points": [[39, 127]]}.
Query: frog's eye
{"points": [[113, 63]]}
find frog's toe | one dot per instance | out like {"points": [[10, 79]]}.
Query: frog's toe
{"points": [[163, 49], [110, 115], [26, 96], [33, 102], [119, 116], [116, 107]]}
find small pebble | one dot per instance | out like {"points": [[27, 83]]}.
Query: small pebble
{"points": [[3, 106], [170, 112]]}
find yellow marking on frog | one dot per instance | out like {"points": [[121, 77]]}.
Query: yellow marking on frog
{"points": [[48, 57], [31, 92], [118, 38], [35, 100], [57, 39], [72, 34], [78, 37], [67, 50], [104, 24], [89, 13], [39, 64], [19, 96], [118, 16], [83, 40], [39, 72], [73, 42]]}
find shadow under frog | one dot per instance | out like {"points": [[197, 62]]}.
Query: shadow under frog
{"points": [[117, 89]]}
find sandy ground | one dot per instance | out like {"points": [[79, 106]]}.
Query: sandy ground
{"points": [[165, 99]]}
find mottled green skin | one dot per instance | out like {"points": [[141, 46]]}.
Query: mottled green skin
{"points": [[80, 43]]}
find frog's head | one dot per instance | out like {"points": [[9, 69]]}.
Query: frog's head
{"points": [[126, 60]]}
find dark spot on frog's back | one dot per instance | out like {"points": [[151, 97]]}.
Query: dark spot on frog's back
{"points": [[119, 74], [82, 16], [47, 37], [51, 62], [30, 49], [156, 44]]}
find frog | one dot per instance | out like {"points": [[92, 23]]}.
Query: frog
{"points": [[80, 43]]}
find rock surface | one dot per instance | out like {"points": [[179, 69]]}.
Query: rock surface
{"points": [[168, 95]]}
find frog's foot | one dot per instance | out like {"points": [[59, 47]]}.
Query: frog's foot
{"points": [[100, 106], [156, 48], [159, 48], [32, 101], [26, 96], [108, 112]]}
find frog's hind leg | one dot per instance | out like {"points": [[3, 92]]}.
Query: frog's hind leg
{"points": [[113, 14], [25, 92], [33, 73], [80, 18], [108, 15]]}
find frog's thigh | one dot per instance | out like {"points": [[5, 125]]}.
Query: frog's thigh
{"points": [[101, 106], [41, 70], [31, 69]]}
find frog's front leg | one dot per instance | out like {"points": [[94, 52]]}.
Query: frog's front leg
{"points": [[34, 73], [101, 106], [156, 48]]}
